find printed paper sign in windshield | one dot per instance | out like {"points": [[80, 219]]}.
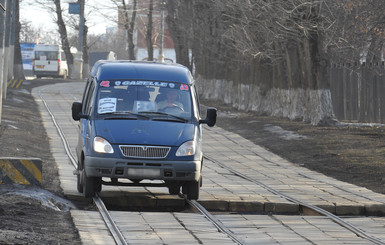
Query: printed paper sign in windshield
{"points": [[107, 105]]}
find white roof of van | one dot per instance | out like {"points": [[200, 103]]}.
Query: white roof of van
{"points": [[52, 47]]}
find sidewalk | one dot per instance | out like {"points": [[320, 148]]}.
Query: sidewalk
{"points": [[221, 191], [263, 166]]}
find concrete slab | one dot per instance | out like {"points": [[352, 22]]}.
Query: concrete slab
{"points": [[222, 191]]}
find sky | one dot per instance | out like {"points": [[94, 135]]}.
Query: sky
{"points": [[99, 14]]}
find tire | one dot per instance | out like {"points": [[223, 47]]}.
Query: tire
{"points": [[98, 184], [89, 185], [79, 178], [191, 189], [174, 189]]}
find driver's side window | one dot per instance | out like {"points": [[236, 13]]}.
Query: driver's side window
{"points": [[88, 99]]}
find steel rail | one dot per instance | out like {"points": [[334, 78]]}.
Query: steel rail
{"points": [[109, 221], [59, 130], [359, 232], [107, 218], [119, 238], [218, 224], [306, 176], [299, 173]]}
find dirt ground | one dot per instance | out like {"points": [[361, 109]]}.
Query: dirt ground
{"points": [[29, 215], [351, 153]]}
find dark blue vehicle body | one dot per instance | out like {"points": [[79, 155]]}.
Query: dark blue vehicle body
{"points": [[131, 137]]}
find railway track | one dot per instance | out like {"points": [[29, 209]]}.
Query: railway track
{"points": [[120, 239], [108, 220]]}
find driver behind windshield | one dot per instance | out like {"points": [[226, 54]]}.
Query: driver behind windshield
{"points": [[170, 102]]}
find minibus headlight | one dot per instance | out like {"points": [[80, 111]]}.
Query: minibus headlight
{"points": [[102, 146], [186, 149]]}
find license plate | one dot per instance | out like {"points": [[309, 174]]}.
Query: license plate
{"points": [[40, 66], [144, 172]]}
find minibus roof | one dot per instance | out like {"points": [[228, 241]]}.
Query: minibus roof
{"points": [[141, 70]]}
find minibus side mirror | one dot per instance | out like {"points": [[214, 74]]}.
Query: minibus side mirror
{"points": [[211, 117], [77, 111]]}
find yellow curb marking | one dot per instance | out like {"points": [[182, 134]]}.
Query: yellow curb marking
{"points": [[32, 169], [13, 173]]}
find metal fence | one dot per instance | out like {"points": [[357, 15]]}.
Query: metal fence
{"points": [[358, 92]]}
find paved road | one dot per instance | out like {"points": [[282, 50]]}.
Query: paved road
{"points": [[221, 191]]}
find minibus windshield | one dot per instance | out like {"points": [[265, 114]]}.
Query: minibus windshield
{"points": [[156, 98]]}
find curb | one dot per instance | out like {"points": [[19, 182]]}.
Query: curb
{"points": [[291, 208], [24, 171], [15, 83]]}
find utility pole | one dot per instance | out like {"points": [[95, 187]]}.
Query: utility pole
{"points": [[81, 31], [12, 41], [78, 61], [7, 51], [2, 36]]}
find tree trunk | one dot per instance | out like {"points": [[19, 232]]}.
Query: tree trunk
{"points": [[64, 37], [86, 63], [179, 20], [150, 49], [130, 26]]}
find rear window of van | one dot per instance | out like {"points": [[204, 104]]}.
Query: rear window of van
{"points": [[46, 55]]}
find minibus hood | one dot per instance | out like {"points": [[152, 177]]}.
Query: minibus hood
{"points": [[144, 132]]}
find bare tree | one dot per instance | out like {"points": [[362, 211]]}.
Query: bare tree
{"points": [[129, 26], [341, 27], [115, 39], [63, 22], [150, 49], [288, 35], [64, 36], [179, 20], [362, 28], [86, 67], [210, 50], [29, 33], [62, 29]]}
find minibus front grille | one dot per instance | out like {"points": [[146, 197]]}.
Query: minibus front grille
{"points": [[144, 151]]}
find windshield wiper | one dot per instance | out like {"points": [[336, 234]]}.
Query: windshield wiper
{"points": [[124, 115], [170, 117]]}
